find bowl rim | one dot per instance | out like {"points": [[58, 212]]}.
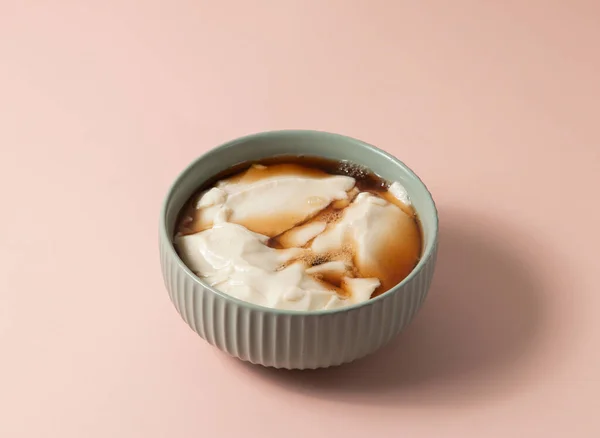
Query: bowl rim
{"points": [[164, 235]]}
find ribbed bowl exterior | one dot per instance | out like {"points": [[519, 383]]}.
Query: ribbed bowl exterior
{"points": [[293, 341]]}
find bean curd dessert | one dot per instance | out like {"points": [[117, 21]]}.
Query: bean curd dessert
{"points": [[300, 233]]}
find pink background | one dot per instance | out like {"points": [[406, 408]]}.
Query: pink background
{"points": [[494, 104]]}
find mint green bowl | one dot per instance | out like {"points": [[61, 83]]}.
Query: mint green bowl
{"points": [[294, 339]]}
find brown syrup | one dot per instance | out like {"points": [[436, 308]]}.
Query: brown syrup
{"points": [[399, 255]]}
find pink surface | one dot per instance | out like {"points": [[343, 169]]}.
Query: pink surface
{"points": [[495, 107]]}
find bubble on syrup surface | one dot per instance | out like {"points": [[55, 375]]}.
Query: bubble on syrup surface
{"points": [[353, 170]]}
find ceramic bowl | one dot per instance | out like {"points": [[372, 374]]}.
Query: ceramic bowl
{"points": [[294, 339]]}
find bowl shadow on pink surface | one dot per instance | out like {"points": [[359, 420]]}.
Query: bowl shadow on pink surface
{"points": [[471, 340]]}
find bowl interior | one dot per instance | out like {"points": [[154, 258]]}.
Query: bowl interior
{"points": [[309, 143]]}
